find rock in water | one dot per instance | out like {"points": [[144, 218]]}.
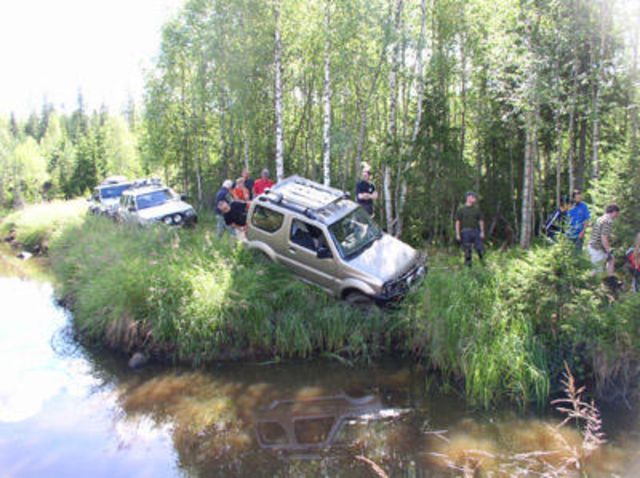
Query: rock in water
{"points": [[138, 360]]}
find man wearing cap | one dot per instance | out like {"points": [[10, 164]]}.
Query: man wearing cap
{"points": [[366, 192], [262, 184], [470, 228], [223, 194]]}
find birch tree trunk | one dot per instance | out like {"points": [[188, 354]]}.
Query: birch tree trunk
{"points": [[633, 106], [326, 123], [531, 144], [597, 87], [278, 88], [392, 129], [526, 229], [402, 196]]}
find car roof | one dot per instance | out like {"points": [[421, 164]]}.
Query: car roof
{"points": [[144, 189], [113, 185], [309, 198]]}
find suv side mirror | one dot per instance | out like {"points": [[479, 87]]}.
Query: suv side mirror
{"points": [[324, 253], [184, 197]]}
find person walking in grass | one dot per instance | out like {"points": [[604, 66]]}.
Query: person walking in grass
{"points": [[632, 257], [599, 247], [579, 216], [470, 228]]}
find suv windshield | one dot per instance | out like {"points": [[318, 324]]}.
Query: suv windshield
{"points": [[354, 233], [154, 198], [113, 191]]}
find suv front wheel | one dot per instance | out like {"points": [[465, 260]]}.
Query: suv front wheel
{"points": [[359, 300]]}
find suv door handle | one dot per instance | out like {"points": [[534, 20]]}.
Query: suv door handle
{"points": [[292, 250]]}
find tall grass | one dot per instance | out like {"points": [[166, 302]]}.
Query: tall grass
{"points": [[499, 332], [36, 224], [197, 298]]}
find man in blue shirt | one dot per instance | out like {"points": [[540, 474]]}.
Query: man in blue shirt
{"points": [[579, 216]]}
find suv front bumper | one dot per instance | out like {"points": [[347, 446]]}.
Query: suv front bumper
{"points": [[394, 291]]}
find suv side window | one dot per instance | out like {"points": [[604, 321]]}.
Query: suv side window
{"points": [[267, 219], [307, 236]]}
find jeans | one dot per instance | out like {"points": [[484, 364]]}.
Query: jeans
{"points": [[221, 226], [471, 240]]}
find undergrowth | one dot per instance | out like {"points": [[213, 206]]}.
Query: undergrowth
{"points": [[501, 331]]}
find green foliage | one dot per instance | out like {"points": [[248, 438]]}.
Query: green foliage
{"points": [[201, 299], [38, 224], [500, 331]]}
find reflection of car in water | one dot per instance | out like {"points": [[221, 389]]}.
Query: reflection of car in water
{"points": [[309, 425]]}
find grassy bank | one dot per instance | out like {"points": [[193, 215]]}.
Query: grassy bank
{"points": [[34, 226], [497, 332]]}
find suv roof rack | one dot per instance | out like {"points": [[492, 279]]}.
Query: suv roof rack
{"points": [[303, 195], [141, 183]]}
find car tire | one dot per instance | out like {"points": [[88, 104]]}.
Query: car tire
{"points": [[261, 257], [359, 300]]}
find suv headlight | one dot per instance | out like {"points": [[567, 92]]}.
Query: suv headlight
{"points": [[177, 218], [168, 220]]}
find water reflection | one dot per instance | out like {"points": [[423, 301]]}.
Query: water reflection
{"points": [[65, 411]]}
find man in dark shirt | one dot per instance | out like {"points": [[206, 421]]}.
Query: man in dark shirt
{"points": [[223, 194], [470, 228], [556, 222], [234, 214], [366, 192]]}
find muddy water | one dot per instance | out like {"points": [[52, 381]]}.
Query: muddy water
{"points": [[66, 411]]}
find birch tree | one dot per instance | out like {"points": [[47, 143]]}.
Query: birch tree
{"points": [[326, 120], [278, 94]]}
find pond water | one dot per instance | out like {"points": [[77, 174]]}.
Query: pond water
{"points": [[67, 411]]}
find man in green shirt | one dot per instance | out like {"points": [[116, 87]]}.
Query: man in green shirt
{"points": [[470, 228]]}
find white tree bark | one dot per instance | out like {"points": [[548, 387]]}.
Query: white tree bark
{"points": [[528, 187], [635, 41], [419, 74], [402, 196], [595, 138], [531, 145], [392, 125], [326, 121], [278, 88]]}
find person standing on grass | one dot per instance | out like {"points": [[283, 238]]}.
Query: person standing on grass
{"points": [[579, 217], [234, 214], [240, 192], [366, 192], [248, 182], [223, 194], [470, 228], [599, 247], [632, 258], [262, 184], [557, 220]]}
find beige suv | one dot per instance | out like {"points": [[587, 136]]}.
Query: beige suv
{"points": [[327, 239]]}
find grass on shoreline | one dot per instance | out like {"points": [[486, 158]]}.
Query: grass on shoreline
{"points": [[499, 332]]}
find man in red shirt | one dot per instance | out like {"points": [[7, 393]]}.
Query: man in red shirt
{"points": [[263, 183]]}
